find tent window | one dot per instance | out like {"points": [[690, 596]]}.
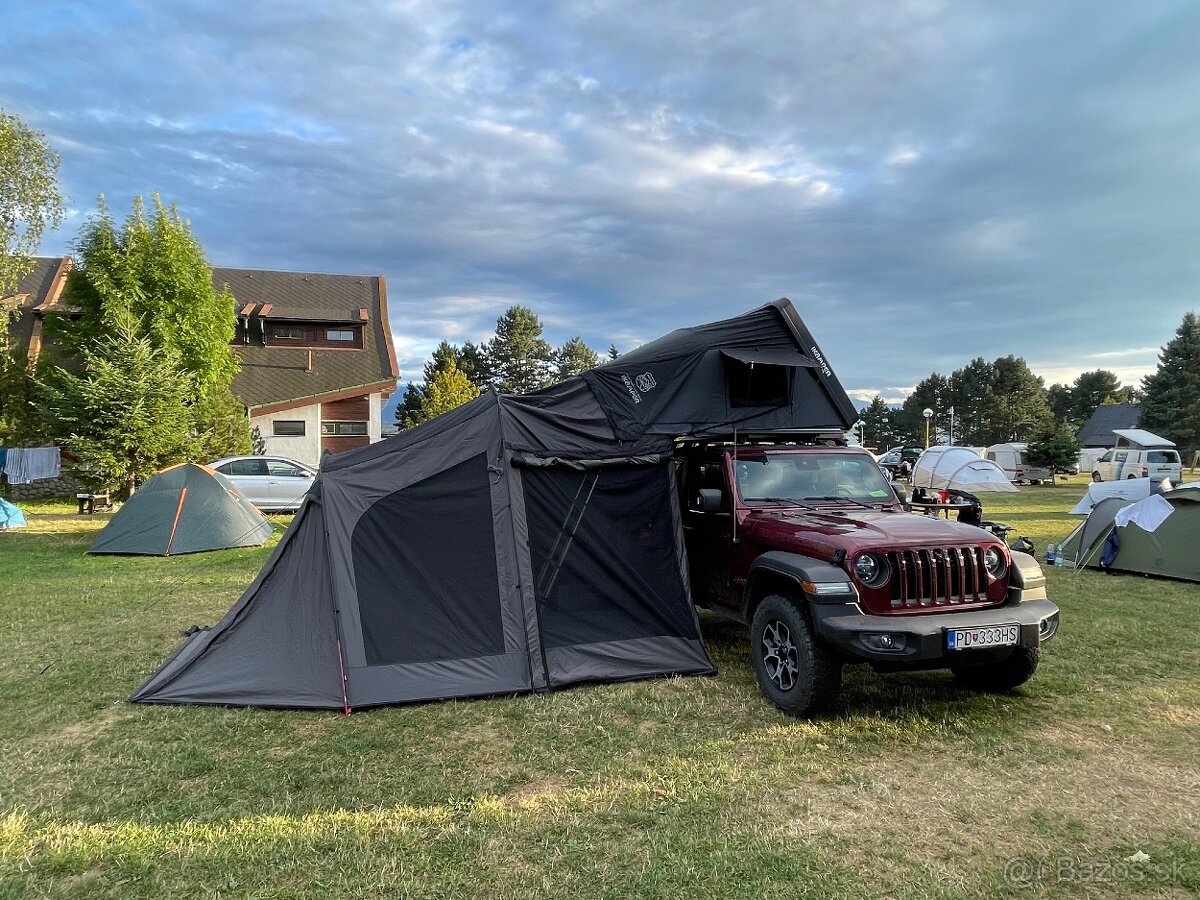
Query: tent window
{"points": [[425, 568], [603, 547], [756, 384]]}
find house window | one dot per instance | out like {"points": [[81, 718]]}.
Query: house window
{"points": [[339, 334], [288, 428], [344, 429], [288, 332]]}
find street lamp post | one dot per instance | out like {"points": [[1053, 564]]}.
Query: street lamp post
{"points": [[928, 414]]}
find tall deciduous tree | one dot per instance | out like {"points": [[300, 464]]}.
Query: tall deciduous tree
{"points": [[521, 360], [574, 357], [29, 199], [448, 389], [1171, 396]]}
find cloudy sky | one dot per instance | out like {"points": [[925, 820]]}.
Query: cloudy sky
{"points": [[927, 181]]}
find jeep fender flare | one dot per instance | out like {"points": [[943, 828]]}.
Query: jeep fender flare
{"points": [[776, 566]]}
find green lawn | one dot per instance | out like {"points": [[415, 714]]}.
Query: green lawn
{"points": [[669, 788]]}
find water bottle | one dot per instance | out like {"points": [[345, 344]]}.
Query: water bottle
{"points": [[1050, 554], [1058, 557]]}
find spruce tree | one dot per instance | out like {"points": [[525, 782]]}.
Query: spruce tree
{"points": [[574, 357], [520, 358], [1171, 396]]}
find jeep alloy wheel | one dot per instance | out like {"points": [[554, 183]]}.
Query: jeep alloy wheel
{"points": [[796, 672]]}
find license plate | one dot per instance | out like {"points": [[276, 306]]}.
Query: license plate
{"points": [[988, 636]]}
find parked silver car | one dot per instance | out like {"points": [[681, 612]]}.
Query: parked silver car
{"points": [[269, 482]]}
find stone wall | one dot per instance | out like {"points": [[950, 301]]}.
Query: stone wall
{"points": [[45, 489]]}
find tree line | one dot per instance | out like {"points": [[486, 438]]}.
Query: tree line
{"points": [[516, 361], [986, 403]]}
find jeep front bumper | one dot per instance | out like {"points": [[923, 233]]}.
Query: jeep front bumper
{"points": [[919, 641]]}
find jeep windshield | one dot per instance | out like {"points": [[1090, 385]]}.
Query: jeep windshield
{"points": [[782, 478]]}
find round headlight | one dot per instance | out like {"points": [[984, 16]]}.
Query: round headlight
{"points": [[993, 561], [870, 569]]}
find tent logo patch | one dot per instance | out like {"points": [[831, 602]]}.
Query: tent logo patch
{"points": [[646, 382], [630, 389]]}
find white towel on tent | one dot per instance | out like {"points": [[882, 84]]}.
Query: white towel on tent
{"points": [[1146, 514]]}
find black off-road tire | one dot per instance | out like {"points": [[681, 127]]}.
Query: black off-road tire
{"points": [[795, 671], [1004, 675]]}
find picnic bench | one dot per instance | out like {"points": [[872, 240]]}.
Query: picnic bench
{"points": [[88, 503]]}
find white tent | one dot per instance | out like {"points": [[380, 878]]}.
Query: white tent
{"points": [[1131, 489], [958, 469]]}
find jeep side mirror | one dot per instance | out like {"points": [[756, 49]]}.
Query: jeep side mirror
{"points": [[709, 500]]}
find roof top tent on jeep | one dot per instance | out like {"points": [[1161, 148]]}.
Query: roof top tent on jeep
{"points": [[516, 543]]}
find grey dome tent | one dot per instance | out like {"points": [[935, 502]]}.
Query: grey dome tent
{"points": [[517, 543], [187, 508]]}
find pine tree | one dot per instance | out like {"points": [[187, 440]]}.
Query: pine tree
{"points": [[1171, 396], [1053, 447], [970, 391], [127, 414], [879, 429], [473, 361], [520, 358], [574, 357], [408, 412], [613, 352], [1019, 406], [149, 282], [930, 393]]}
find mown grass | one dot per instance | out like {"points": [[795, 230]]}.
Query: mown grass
{"points": [[667, 788]]}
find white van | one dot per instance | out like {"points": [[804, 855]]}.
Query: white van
{"points": [[1139, 454], [1011, 458]]}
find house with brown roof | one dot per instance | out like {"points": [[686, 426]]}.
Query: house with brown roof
{"points": [[317, 361]]}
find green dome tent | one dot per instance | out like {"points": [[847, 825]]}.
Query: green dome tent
{"points": [[184, 509]]}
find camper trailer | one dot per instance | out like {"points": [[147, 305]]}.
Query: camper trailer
{"points": [[1139, 454], [1011, 458]]}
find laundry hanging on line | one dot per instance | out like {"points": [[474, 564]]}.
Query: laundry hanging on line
{"points": [[25, 464]]}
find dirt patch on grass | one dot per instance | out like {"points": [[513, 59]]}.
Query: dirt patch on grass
{"points": [[937, 805], [84, 732], [534, 793]]}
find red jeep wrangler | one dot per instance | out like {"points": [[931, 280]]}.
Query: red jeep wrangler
{"points": [[810, 546]]}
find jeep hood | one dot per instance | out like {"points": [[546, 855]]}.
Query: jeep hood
{"points": [[822, 532]]}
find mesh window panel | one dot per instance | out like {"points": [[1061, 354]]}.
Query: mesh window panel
{"points": [[604, 560], [425, 566]]}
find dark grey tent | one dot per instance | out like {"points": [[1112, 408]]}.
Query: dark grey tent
{"points": [[1169, 550], [183, 509], [516, 543]]}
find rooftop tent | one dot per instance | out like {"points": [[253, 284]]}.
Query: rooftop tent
{"points": [[184, 509], [1140, 438], [10, 516], [760, 371], [516, 543], [958, 469]]}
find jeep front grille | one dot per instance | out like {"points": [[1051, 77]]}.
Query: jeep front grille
{"points": [[937, 576]]}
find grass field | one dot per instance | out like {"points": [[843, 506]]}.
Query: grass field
{"points": [[670, 788]]}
